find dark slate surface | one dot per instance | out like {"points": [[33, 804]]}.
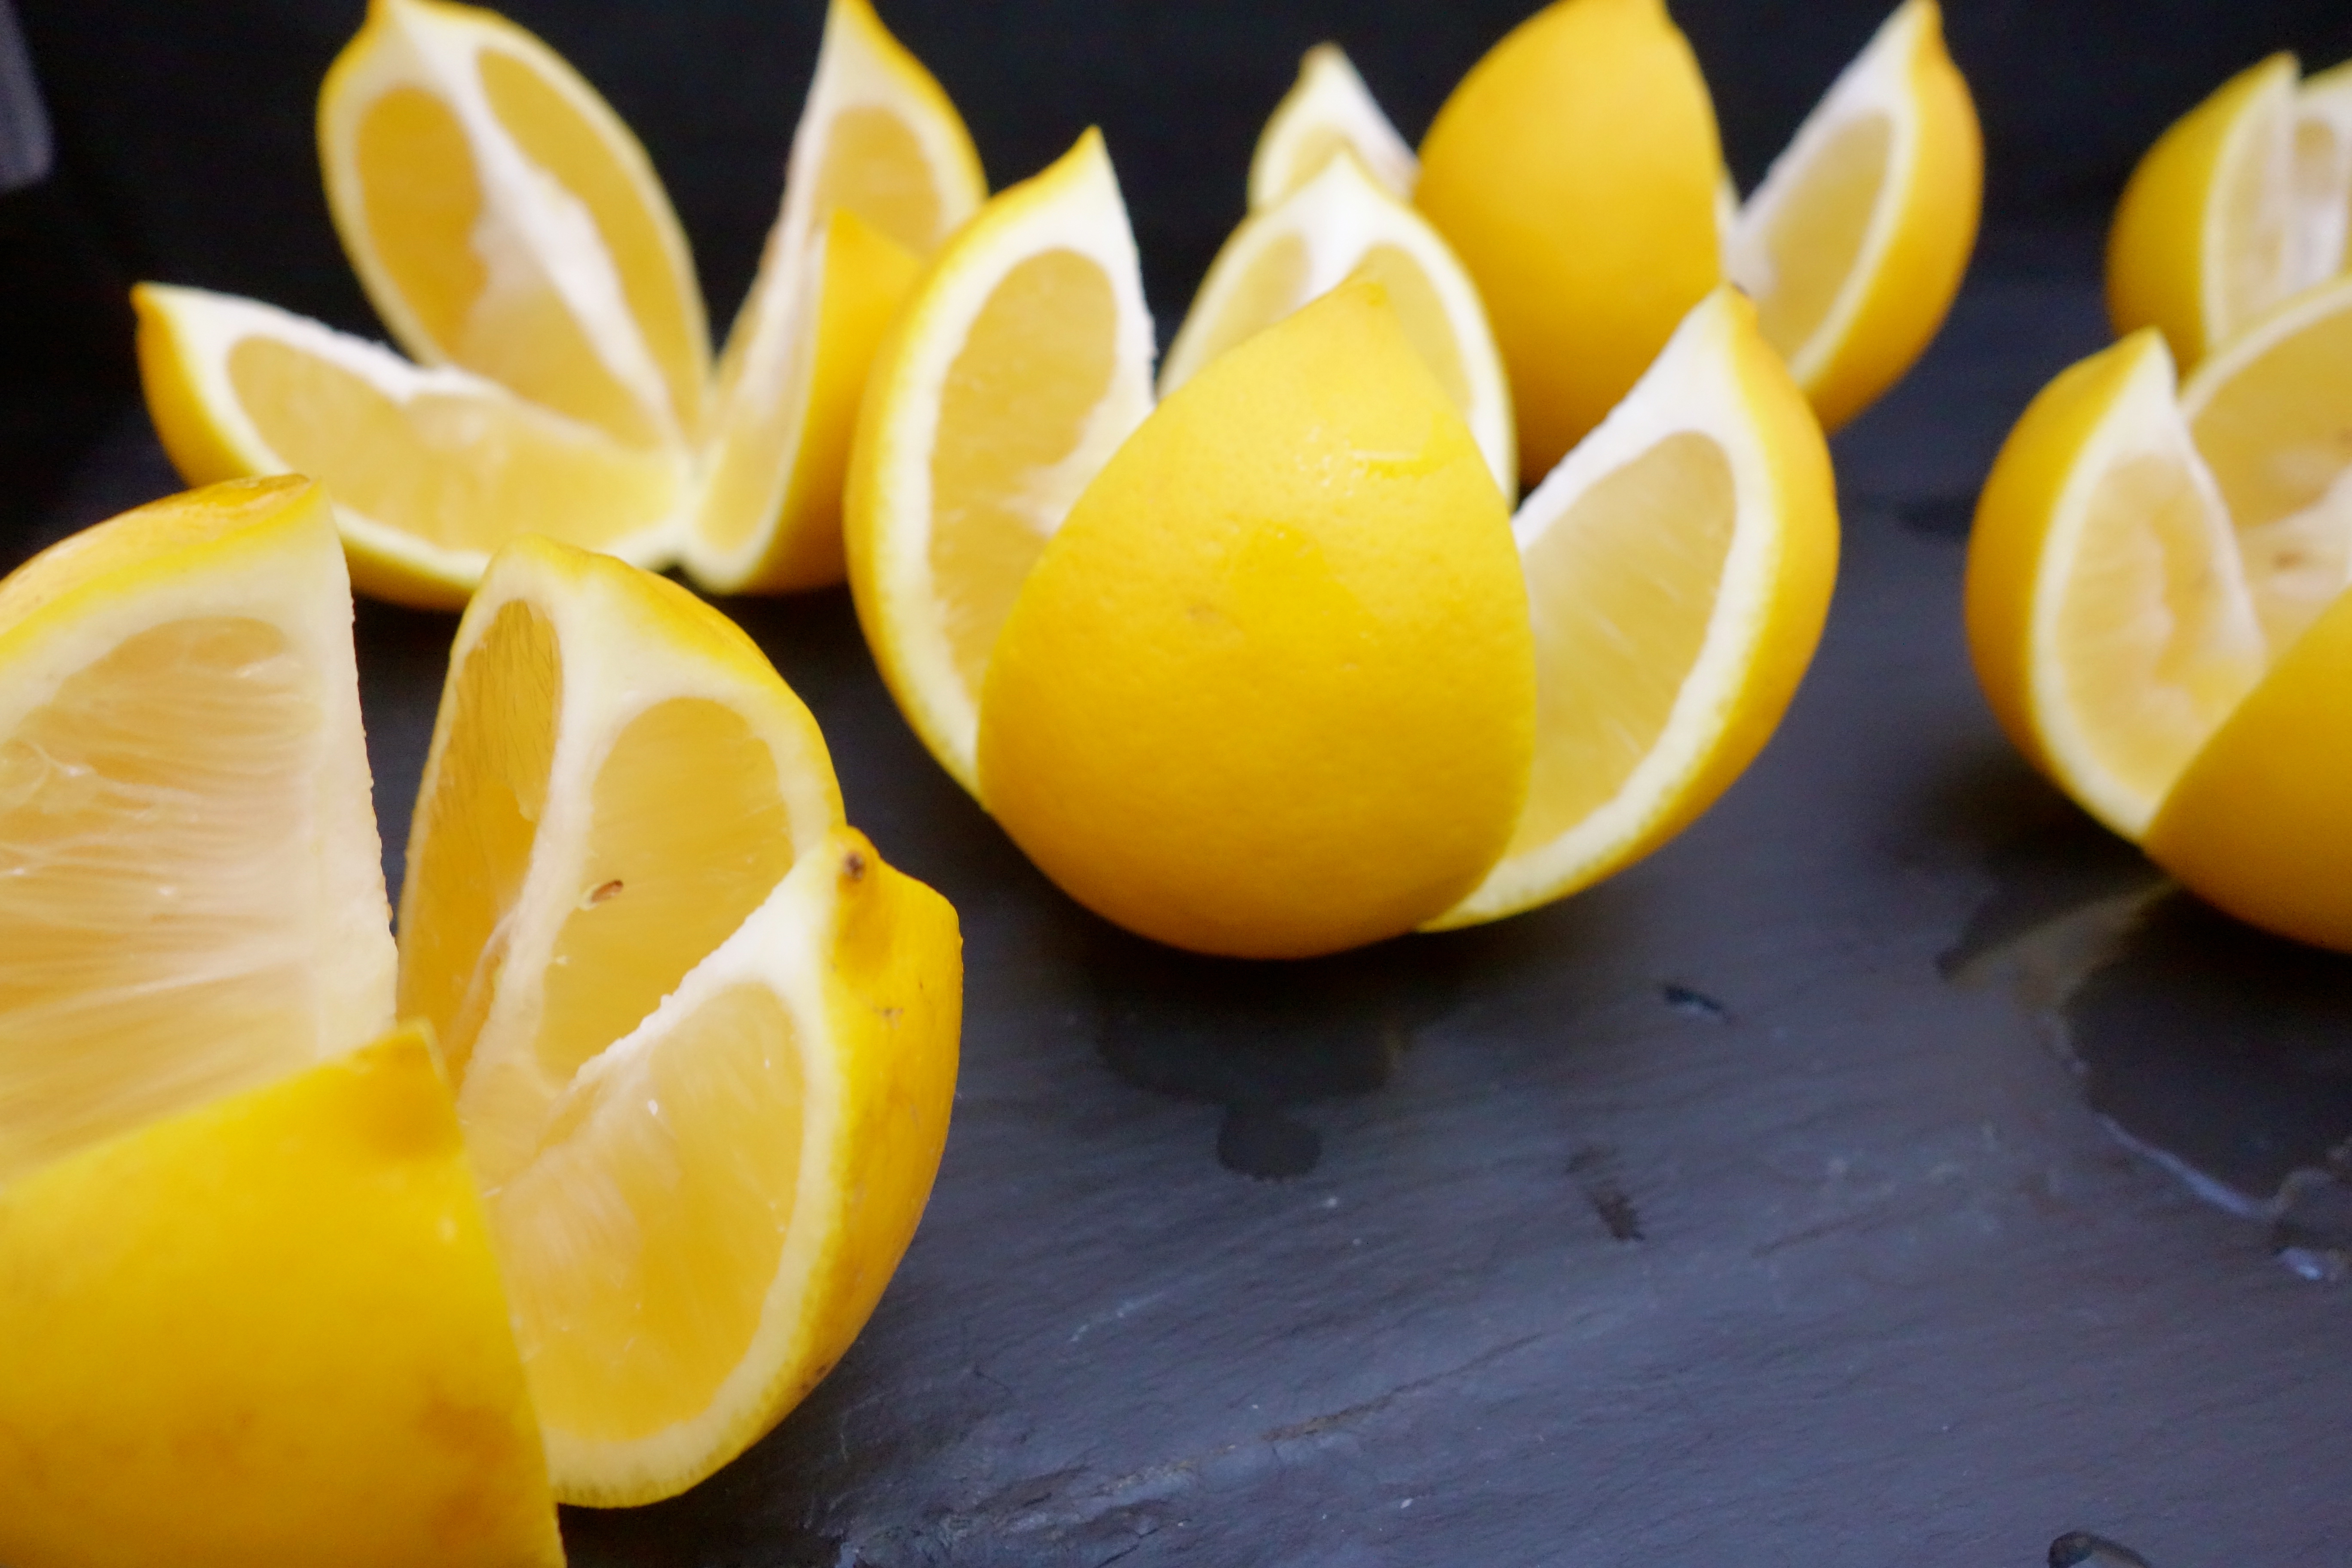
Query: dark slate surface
{"points": [[1821, 1190]]}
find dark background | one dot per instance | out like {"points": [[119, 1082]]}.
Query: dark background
{"points": [[1892, 1169]]}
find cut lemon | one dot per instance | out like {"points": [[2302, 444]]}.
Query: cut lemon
{"points": [[503, 219], [1341, 223], [191, 891], [1678, 565], [2107, 611], [1575, 170], [705, 1099], [1854, 244], [1327, 111], [2240, 205], [267, 1331], [882, 171], [2259, 822], [432, 470], [1020, 364], [1268, 692], [2271, 411]]}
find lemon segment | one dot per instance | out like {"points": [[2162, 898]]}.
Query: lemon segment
{"points": [[1575, 172], [1854, 244], [1329, 109], [1337, 225], [2107, 611], [1679, 564], [1269, 691], [2271, 413], [2258, 823], [430, 469], [263, 1332], [503, 219], [1020, 364], [881, 172], [2239, 206], [190, 892], [767, 1138]]}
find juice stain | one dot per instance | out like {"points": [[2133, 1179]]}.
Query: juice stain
{"points": [[2219, 1052]]}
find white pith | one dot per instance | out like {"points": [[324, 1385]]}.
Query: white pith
{"points": [[1327, 96]]}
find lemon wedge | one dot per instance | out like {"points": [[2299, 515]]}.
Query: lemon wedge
{"points": [[2239, 205], [1854, 244], [1679, 564], [2107, 611], [264, 1331], [2271, 413], [881, 172], [504, 219], [432, 468], [703, 1040], [1329, 109], [1340, 224], [1020, 364], [191, 890]]}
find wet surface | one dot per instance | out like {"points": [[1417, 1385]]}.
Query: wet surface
{"points": [[1739, 1209]]}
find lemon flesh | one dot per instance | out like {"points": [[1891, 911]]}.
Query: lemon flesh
{"points": [[1270, 690], [191, 894], [267, 1332]]}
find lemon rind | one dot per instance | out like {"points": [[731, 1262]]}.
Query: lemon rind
{"points": [[1330, 94]]}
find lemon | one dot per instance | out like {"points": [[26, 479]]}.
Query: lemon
{"points": [[1575, 169], [703, 1040], [2269, 414], [2239, 205], [1679, 564], [1329, 109], [431, 468], [191, 890], [263, 1332], [1854, 244], [1018, 367], [1339, 224], [513, 237], [1281, 625]]}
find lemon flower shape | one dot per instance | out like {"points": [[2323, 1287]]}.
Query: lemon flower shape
{"points": [[513, 237]]}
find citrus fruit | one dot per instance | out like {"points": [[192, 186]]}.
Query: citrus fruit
{"points": [[1019, 364], [1340, 224], [1854, 244], [432, 468], [1574, 170], [503, 218], [1282, 626], [191, 891], [2107, 611], [1329, 109], [267, 1331], [881, 172], [703, 1040], [506, 224], [1679, 564], [2271, 411], [2240, 205]]}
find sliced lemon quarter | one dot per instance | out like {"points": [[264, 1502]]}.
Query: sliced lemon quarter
{"points": [[1678, 565], [1340, 224], [1020, 364], [502, 218], [191, 891], [1327, 110], [430, 469], [881, 172], [706, 1131], [1854, 244], [267, 1329], [2107, 611], [2271, 413]]}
